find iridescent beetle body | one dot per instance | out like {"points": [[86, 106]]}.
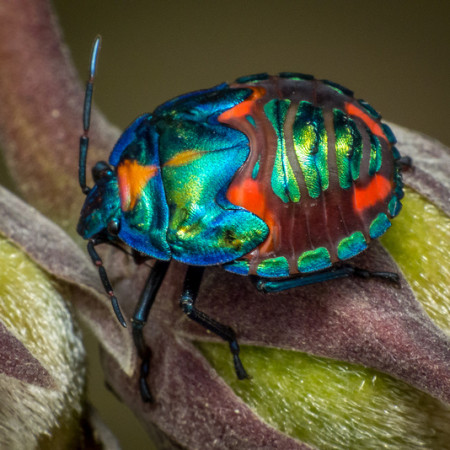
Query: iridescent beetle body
{"points": [[278, 177]]}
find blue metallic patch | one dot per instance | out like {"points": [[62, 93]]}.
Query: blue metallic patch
{"points": [[351, 245], [130, 135], [314, 260], [394, 206], [389, 133], [199, 157], [239, 267], [251, 120], [396, 153], [144, 227], [273, 268], [369, 109], [252, 78], [379, 226]]}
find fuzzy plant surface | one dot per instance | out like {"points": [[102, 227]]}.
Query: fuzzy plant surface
{"points": [[344, 364], [42, 362], [42, 358], [332, 404]]}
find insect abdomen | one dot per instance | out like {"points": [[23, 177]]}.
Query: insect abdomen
{"points": [[321, 173]]}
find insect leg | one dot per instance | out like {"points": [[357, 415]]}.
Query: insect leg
{"points": [[267, 285], [187, 303], [139, 319], [104, 278], [405, 162]]}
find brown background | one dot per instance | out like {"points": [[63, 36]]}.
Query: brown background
{"points": [[396, 55]]}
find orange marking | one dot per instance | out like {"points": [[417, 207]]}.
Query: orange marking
{"points": [[378, 189], [132, 178], [244, 108], [372, 124], [249, 195], [183, 158]]}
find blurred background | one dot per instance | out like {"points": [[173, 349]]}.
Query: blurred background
{"points": [[396, 55]]}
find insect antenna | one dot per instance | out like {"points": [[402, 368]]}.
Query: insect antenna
{"points": [[84, 139]]}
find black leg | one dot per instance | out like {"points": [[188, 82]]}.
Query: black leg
{"points": [[267, 285], [104, 278], [187, 303], [140, 317]]}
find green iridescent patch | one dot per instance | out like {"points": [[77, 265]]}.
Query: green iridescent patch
{"points": [[255, 170], [379, 226], [239, 267], [251, 120], [314, 260], [311, 147], [394, 206], [375, 153], [273, 267], [348, 148], [198, 159], [351, 246], [283, 179]]}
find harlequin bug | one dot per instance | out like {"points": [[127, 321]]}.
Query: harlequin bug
{"points": [[282, 178]]}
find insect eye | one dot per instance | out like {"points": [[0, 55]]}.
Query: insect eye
{"points": [[113, 227], [101, 170]]}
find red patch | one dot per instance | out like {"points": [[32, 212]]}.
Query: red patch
{"points": [[377, 190], [372, 124], [244, 108], [250, 196]]}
